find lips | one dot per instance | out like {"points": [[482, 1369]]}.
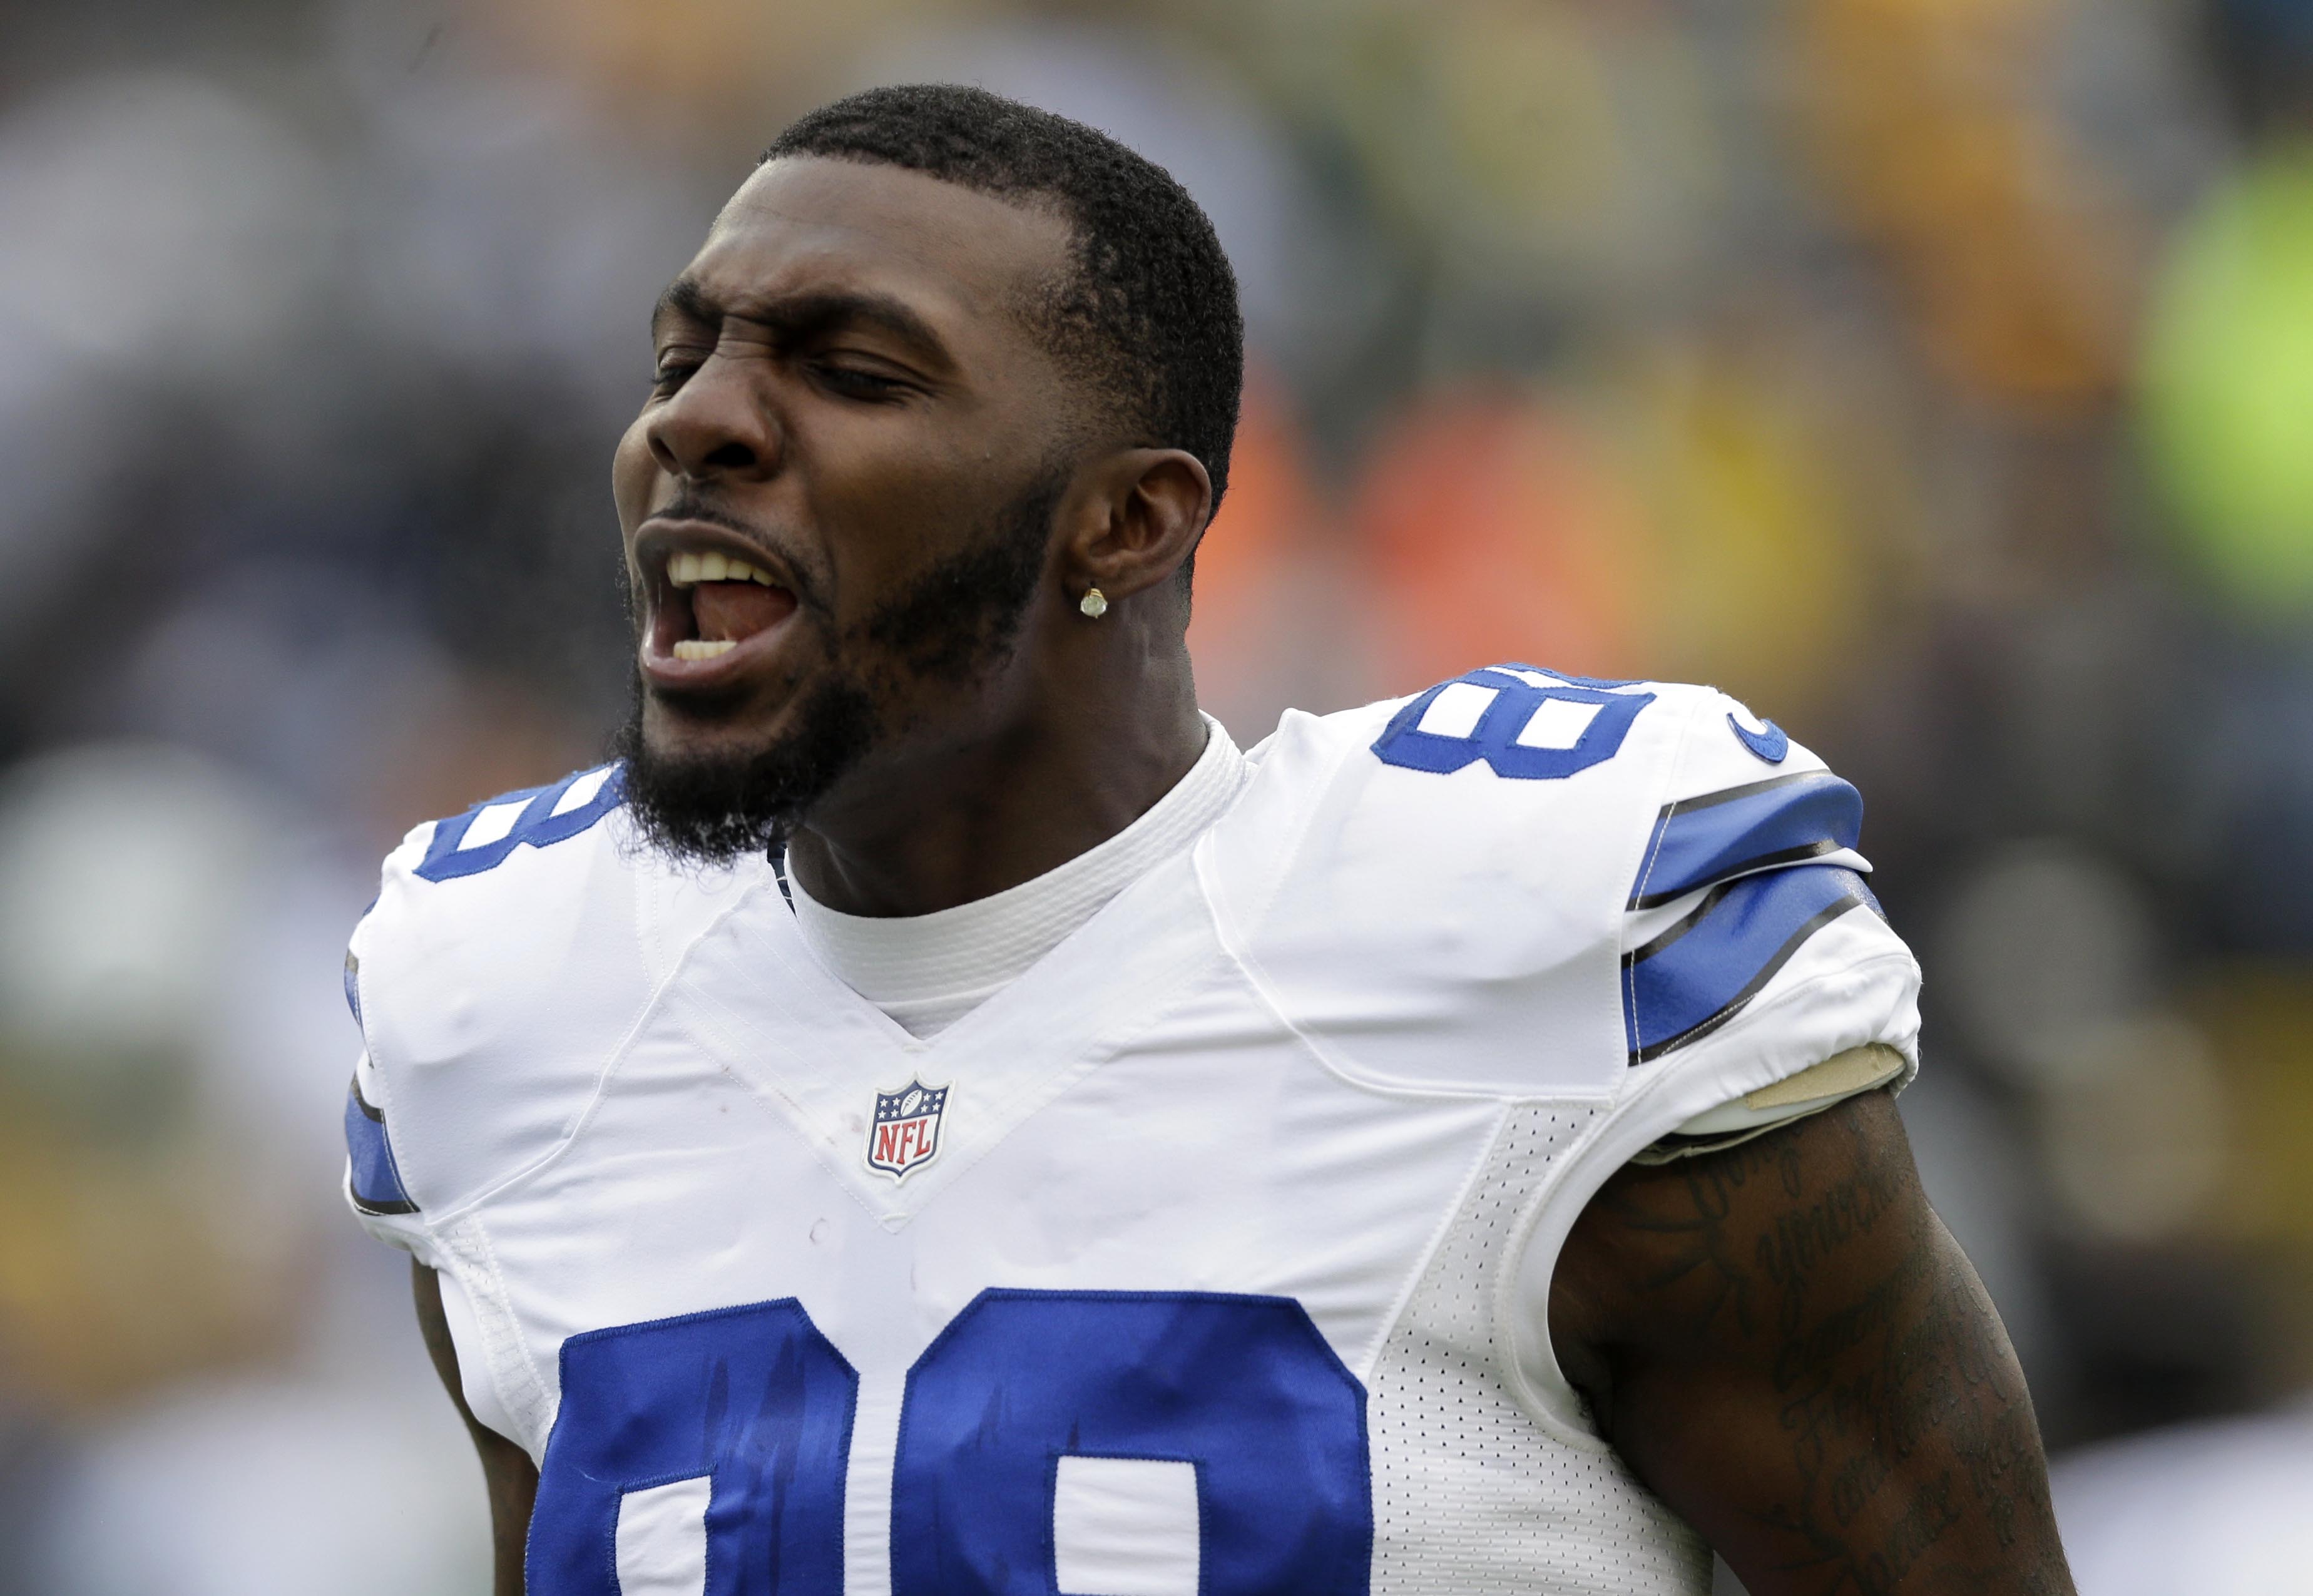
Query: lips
{"points": [[711, 607]]}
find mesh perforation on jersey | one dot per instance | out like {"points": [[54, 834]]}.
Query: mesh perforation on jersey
{"points": [[528, 1405], [1470, 1495]]}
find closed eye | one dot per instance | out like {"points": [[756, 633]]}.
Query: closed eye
{"points": [[850, 380], [671, 372]]}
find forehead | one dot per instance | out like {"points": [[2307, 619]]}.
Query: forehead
{"points": [[803, 224]]}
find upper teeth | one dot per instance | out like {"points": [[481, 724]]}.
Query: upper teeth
{"points": [[686, 570]]}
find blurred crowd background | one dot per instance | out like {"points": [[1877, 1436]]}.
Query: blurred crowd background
{"points": [[1935, 374]]}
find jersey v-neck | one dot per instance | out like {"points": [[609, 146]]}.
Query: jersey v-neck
{"points": [[753, 997], [928, 971]]}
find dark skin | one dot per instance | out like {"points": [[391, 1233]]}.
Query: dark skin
{"points": [[1780, 1338], [849, 376], [1784, 1342], [508, 1475]]}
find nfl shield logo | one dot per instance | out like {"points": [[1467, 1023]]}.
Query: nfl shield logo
{"points": [[906, 1132]]}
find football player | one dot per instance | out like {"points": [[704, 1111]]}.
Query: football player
{"points": [[936, 1118]]}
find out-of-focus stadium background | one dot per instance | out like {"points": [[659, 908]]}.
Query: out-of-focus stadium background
{"points": [[1936, 374]]}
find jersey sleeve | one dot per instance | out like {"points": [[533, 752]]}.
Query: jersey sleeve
{"points": [[374, 1186], [1758, 968]]}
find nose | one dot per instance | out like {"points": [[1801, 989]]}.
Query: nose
{"points": [[717, 425]]}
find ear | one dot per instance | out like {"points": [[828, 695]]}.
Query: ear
{"points": [[1138, 517]]}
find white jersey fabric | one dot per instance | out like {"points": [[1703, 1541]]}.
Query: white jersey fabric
{"points": [[1211, 1254]]}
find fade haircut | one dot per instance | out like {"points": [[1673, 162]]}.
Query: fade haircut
{"points": [[1147, 318]]}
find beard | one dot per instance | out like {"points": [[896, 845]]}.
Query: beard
{"points": [[953, 623]]}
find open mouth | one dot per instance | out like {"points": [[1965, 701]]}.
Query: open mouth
{"points": [[708, 605]]}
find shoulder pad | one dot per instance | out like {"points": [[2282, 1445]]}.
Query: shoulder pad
{"points": [[1433, 883], [1743, 797], [509, 951], [1442, 890]]}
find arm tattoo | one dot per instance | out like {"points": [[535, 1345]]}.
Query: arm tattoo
{"points": [[1868, 1430]]}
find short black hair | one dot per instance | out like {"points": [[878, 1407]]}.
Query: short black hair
{"points": [[1149, 318]]}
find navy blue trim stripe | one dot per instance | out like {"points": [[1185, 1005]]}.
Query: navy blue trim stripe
{"points": [[1684, 923], [376, 1182], [1698, 974], [1783, 820], [1748, 789]]}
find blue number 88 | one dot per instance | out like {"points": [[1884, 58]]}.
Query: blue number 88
{"points": [[757, 1404]]}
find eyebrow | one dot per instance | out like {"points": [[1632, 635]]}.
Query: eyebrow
{"points": [[795, 317]]}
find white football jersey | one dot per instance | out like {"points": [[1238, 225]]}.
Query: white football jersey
{"points": [[1210, 1257]]}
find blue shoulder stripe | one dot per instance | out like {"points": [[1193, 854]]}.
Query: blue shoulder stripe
{"points": [[376, 1178], [1698, 975], [1779, 820]]}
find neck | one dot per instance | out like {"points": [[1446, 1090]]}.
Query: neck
{"points": [[1085, 755]]}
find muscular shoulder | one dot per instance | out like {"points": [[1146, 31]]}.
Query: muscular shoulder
{"points": [[1450, 876], [509, 950]]}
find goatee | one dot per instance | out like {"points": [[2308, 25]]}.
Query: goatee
{"points": [[954, 622], [709, 809]]}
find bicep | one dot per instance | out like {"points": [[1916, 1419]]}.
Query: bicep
{"points": [[1788, 1346], [508, 1475]]}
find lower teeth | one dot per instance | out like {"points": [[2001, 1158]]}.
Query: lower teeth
{"points": [[700, 648]]}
